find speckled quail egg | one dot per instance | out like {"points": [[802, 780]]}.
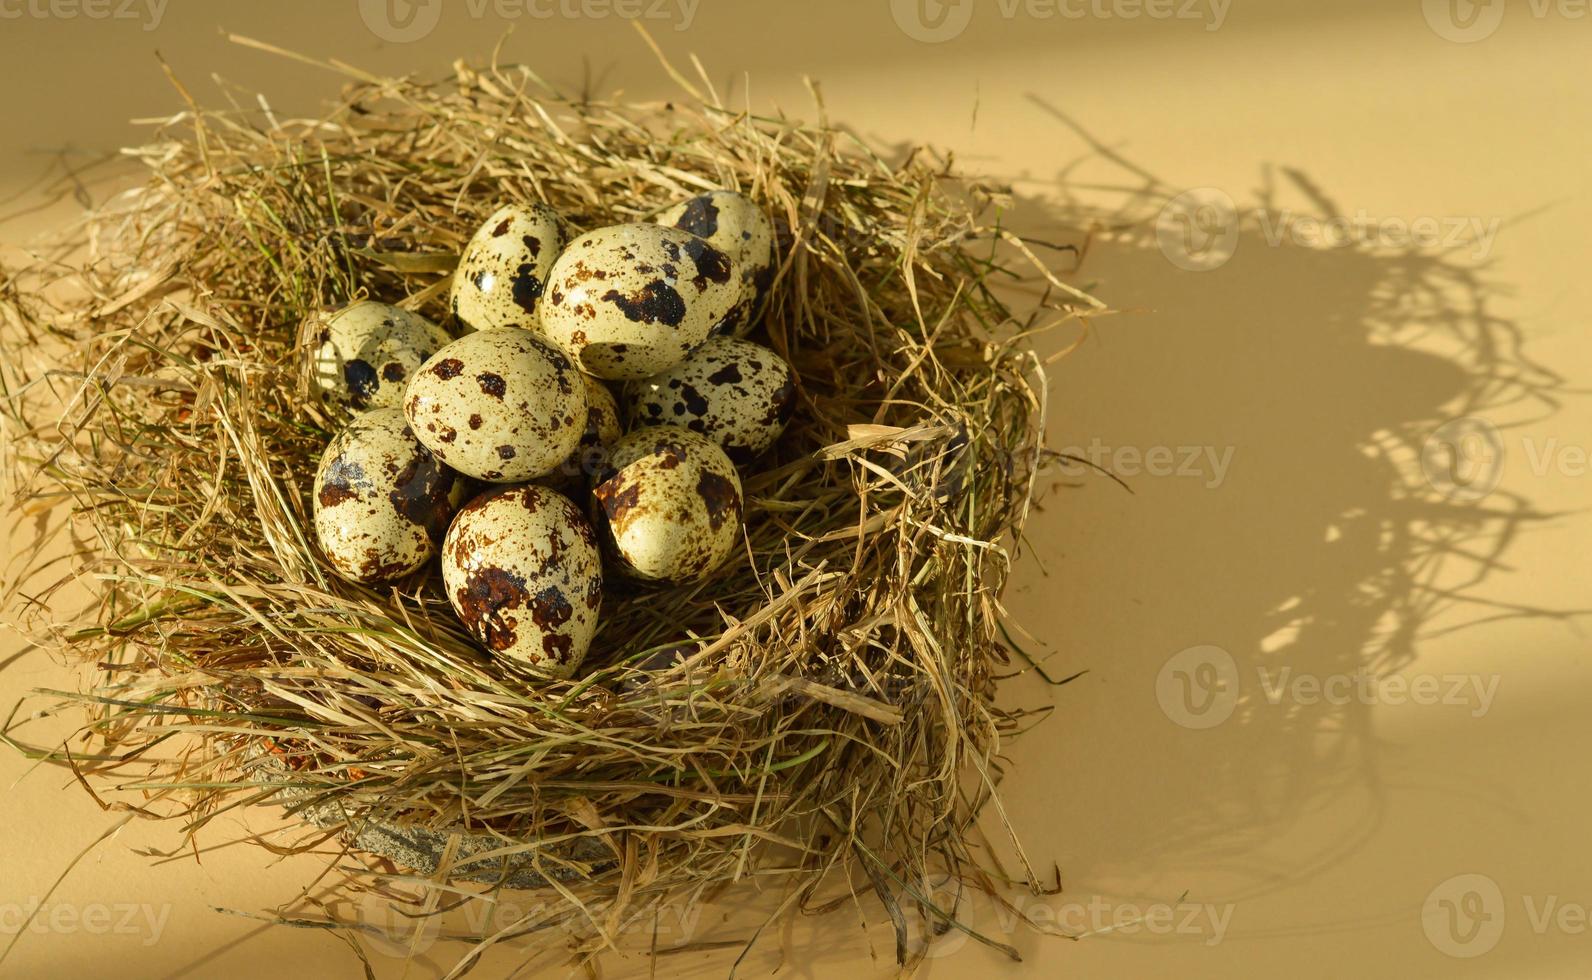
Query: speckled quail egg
{"points": [[735, 392], [630, 300], [499, 405], [603, 429], [367, 352], [382, 500], [734, 225], [668, 505], [504, 268], [522, 571]]}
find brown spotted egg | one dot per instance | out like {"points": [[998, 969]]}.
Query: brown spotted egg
{"points": [[630, 300], [668, 505], [523, 573], [504, 268], [382, 500], [603, 429], [737, 227], [735, 392], [368, 351], [498, 405]]}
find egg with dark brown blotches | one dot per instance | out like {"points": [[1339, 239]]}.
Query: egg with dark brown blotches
{"points": [[733, 224], [668, 505], [603, 429], [522, 571], [382, 501], [499, 405], [631, 300], [735, 392], [367, 352], [503, 270]]}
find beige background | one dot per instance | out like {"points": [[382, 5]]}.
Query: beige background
{"points": [[1313, 832]]}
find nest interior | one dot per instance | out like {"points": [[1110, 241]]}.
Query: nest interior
{"points": [[822, 709]]}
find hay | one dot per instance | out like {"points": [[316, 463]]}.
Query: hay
{"points": [[823, 715]]}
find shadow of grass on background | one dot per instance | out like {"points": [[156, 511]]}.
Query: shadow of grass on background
{"points": [[1315, 510]]}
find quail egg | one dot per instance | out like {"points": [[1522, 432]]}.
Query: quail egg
{"points": [[734, 225], [503, 269], [603, 429], [382, 500], [630, 300], [522, 570], [498, 405], [367, 352], [735, 392], [668, 505]]}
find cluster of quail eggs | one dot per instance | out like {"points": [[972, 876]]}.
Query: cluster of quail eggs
{"points": [[507, 451]]}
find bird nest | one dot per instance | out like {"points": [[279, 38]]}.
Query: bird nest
{"points": [[823, 708]]}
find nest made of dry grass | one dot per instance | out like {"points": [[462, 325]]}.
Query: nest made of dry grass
{"points": [[834, 719]]}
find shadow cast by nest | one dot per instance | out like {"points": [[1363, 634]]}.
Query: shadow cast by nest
{"points": [[1305, 519]]}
